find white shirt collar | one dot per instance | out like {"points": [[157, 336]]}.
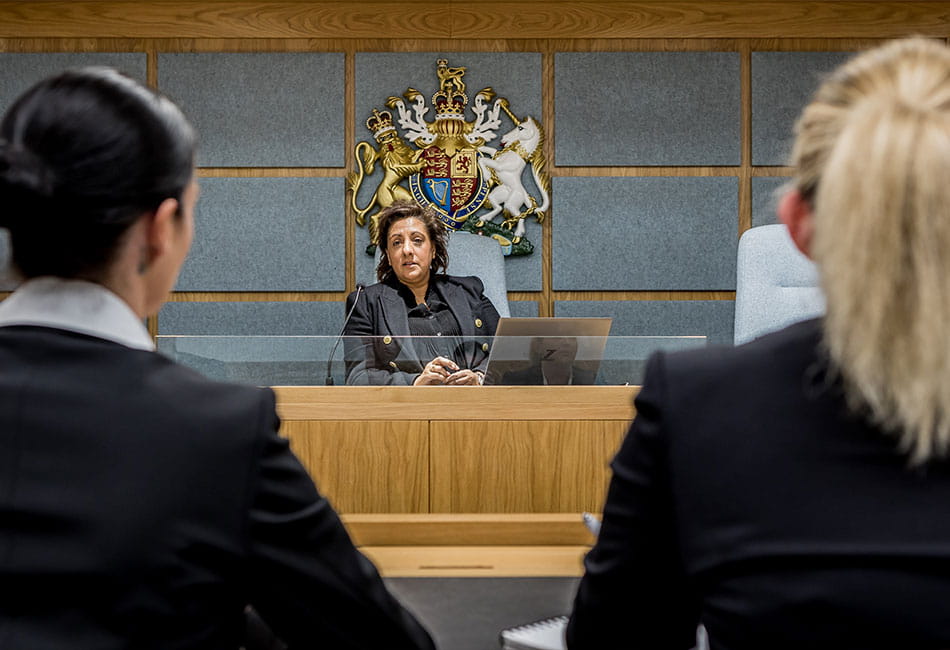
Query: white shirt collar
{"points": [[76, 306]]}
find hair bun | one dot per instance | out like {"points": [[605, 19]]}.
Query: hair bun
{"points": [[26, 185]]}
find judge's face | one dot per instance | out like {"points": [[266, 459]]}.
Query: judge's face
{"points": [[410, 251]]}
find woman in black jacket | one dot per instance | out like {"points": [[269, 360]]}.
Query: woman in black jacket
{"points": [[417, 326]]}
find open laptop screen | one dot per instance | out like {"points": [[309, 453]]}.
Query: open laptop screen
{"points": [[547, 351]]}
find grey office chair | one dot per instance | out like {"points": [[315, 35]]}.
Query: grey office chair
{"points": [[474, 255], [775, 284]]}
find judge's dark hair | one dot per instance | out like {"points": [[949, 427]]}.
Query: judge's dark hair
{"points": [[82, 156], [437, 235]]}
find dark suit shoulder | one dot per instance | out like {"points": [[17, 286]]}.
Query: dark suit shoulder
{"points": [[230, 407], [789, 349]]}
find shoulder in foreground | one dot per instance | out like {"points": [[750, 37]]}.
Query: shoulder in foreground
{"points": [[796, 344], [176, 384]]}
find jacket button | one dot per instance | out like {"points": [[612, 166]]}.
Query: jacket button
{"points": [[478, 322], [392, 364], [387, 340], [484, 347]]}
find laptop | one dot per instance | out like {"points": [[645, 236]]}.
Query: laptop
{"points": [[547, 351]]}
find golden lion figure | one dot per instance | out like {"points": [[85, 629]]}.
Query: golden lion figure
{"points": [[399, 161]]}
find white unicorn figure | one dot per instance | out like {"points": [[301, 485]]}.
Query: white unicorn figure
{"points": [[521, 145]]}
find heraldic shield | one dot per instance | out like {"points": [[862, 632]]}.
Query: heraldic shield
{"points": [[452, 186], [447, 165]]}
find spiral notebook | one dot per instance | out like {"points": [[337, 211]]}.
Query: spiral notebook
{"points": [[546, 634]]}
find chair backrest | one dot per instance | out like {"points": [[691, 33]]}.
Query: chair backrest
{"points": [[775, 284], [471, 254]]}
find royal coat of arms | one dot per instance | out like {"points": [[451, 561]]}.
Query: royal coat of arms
{"points": [[448, 166]]}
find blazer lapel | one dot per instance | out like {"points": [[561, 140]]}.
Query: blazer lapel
{"points": [[458, 304], [396, 318]]}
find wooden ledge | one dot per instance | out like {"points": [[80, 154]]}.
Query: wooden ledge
{"points": [[560, 529], [477, 561], [455, 403]]}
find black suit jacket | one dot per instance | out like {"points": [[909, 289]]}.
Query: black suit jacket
{"points": [[386, 355], [142, 506], [745, 495]]}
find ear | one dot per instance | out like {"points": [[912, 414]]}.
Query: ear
{"points": [[161, 228], [795, 212]]}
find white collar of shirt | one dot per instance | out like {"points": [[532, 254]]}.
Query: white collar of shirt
{"points": [[75, 306]]}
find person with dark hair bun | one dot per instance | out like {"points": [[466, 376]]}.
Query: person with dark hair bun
{"points": [[142, 505], [418, 326]]}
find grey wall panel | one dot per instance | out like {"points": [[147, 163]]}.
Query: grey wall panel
{"points": [[523, 308], [647, 108], [251, 318], [710, 318], [288, 343], [19, 71], [267, 234], [261, 109], [515, 76], [645, 233], [782, 84], [765, 198]]}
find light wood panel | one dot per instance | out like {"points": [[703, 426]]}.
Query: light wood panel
{"points": [[477, 561], [366, 466], [521, 466], [451, 403], [457, 19], [467, 529]]}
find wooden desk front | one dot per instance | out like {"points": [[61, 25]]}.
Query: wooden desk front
{"points": [[491, 449]]}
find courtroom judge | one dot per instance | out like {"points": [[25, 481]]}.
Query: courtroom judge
{"points": [[142, 505], [449, 318], [792, 492]]}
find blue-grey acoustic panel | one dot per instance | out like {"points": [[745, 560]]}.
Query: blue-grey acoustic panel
{"points": [[645, 233], [523, 308], [647, 108], [710, 318], [19, 71], [261, 109], [263, 343], [782, 84], [267, 234], [765, 197], [251, 318], [514, 76]]}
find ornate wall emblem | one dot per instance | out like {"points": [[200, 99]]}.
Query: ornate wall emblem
{"points": [[451, 169]]}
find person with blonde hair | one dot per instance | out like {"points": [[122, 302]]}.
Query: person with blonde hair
{"points": [[792, 492]]}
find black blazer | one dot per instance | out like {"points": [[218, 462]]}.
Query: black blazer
{"points": [[142, 506], [746, 496], [386, 356]]}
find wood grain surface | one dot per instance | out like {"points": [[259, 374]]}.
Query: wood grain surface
{"points": [[522, 19], [521, 466], [366, 466]]}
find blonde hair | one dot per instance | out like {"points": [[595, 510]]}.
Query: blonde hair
{"points": [[873, 159]]}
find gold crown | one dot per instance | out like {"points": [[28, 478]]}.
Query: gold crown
{"points": [[449, 105], [380, 122]]}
